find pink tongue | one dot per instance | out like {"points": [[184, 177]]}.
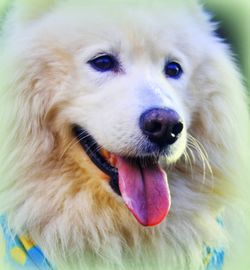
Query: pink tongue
{"points": [[145, 191]]}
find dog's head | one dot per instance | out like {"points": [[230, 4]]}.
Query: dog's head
{"points": [[119, 83]]}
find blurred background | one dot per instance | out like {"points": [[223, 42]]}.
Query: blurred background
{"points": [[234, 19], [234, 26]]}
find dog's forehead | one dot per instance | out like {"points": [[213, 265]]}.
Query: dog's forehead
{"points": [[135, 29]]}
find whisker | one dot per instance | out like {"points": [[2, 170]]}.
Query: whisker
{"points": [[187, 158], [197, 145], [73, 142]]}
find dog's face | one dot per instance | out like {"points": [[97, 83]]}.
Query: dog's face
{"points": [[120, 74], [120, 85]]}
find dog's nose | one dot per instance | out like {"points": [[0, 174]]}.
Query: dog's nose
{"points": [[161, 126]]}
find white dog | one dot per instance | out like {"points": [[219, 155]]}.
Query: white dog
{"points": [[123, 134]]}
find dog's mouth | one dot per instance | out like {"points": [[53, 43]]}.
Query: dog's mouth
{"points": [[139, 181]]}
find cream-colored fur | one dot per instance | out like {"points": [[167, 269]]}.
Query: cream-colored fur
{"points": [[48, 186]]}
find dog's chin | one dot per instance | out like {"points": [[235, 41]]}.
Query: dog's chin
{"points": [[139, 180]]}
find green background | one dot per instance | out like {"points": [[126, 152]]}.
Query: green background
{"points": [[234, 18]]}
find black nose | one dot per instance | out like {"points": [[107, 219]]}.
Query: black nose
{"points": [[161, 126]]}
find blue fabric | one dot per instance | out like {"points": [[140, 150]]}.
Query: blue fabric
{"points": [[19, 252], [213, 258]]}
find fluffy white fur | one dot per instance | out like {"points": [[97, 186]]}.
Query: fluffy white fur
{"points": [[48, 187]]}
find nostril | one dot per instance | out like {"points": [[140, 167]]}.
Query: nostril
{"points": [[153, 126], [177, 129]]}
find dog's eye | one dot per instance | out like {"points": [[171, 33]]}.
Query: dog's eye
{"points": [[104, 63], [173, 70]]}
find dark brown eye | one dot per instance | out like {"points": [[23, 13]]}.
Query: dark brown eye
{"points": [[173, 70], [104, 63]]}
